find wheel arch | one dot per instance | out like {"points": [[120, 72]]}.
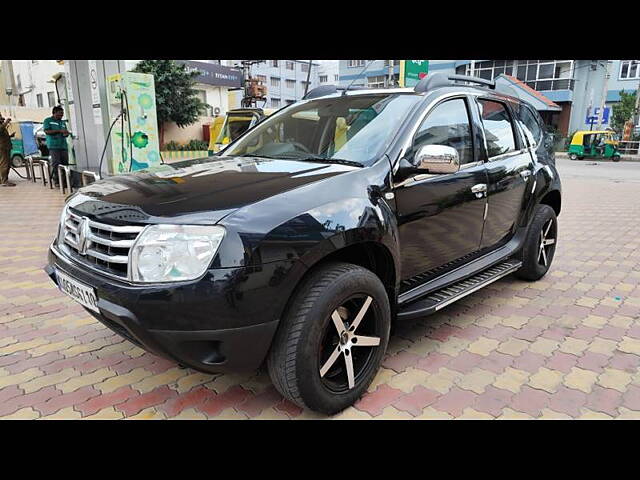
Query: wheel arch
{"points": [[553, 199]]}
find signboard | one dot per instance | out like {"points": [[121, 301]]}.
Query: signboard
{"points": [[414, 71], [95, 92], [592, 118], [216, 75]]}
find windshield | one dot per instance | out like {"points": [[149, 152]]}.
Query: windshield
{"points": [[234, 126], [351, 128]]}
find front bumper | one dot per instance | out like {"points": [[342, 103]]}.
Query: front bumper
{"points": [[223, 322]]}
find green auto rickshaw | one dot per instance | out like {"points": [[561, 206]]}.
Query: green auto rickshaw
{"points": [[594, 144]]}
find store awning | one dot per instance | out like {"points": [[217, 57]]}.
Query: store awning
{"points": [[528, 94]]}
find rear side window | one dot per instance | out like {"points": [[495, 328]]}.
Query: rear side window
{"points": [[530, 125], [447, 124], [497, 127]]}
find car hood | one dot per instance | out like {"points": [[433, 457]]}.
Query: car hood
{"points": [[196, 191]]}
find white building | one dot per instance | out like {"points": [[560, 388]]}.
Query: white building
{"points": [[34, 85], [329, 72]]}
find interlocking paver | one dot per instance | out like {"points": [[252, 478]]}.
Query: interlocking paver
{"points": [[567, 346]]}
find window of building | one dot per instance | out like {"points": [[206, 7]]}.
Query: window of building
{"points": [[262, 78], [324, 78], [304, 67], [336, 77], [52, 99], [497, 127], [629, 69], [304, 83], [538, 74], [355, 63], [448, 124], [39, 100], [274, 63], [291, 83], [392, 62], [275, 82], [289, 65], [275, 102], [376, 82], [202, 95], [289, 102]]}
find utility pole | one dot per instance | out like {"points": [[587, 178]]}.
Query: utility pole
{"points": [[390, 81], [603, 97], [306, 85]]}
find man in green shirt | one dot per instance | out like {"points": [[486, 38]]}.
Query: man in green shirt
{"points": [[5, 152], [56, 130]]}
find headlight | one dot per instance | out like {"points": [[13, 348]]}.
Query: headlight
{"points": [[63, 217], [171, 253]]}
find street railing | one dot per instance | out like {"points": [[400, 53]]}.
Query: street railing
{"points": [[629, 147]]}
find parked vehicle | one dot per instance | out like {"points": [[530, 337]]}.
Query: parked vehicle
{"points": [[237, 122], [594, 144], [17, 143], [308, 237]]}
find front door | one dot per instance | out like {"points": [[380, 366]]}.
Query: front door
{"points": [[509, 171], [440, 216]]}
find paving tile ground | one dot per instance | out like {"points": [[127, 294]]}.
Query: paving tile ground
{"points": [[567, 346]]}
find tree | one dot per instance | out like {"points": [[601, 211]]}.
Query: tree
{"points": [[623, 111], [176, 99]]}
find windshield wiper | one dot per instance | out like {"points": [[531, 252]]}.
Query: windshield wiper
{"points": [[309, 157]]}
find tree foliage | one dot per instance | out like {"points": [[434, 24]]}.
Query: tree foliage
{"points": [[623, 111], [176, 98]]}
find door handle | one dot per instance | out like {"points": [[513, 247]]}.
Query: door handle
{"points": [[480, 190]]}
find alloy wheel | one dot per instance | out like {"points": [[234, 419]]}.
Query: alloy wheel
{"points": [[348, 343], [547, 244]]}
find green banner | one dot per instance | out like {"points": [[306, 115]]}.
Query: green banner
{"points": [[414, 71]]}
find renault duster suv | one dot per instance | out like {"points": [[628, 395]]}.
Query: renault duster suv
{"points": [[304, 240]]}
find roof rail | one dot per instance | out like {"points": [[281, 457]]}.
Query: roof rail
{"points": [[323, 90], [443, 79]]}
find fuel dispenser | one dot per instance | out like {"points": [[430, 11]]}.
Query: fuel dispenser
{"points": [[134, 123]]}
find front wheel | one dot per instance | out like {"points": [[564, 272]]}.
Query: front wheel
{"points": [[331, 341], [540, 244]]}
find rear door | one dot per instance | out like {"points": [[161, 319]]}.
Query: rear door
{"points": [[509, 170]]}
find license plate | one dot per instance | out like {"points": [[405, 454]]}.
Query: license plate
{"points": [[79, 292]]}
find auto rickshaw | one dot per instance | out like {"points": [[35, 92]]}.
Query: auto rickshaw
{"points": [[236, 122], [594, 144], [29, 138]]}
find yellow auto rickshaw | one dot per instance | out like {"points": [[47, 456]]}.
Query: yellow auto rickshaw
{"points": [[594, 144], [236, 122]]}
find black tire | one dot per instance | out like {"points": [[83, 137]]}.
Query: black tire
{"points": [[535, 263], [306, 336], [17, 161], [616, 158], [573, 156]]}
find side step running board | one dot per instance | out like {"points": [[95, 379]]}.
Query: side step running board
{"points": [[445, 296]]}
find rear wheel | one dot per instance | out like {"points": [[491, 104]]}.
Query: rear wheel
{"points": [[17, 161], [331, 341], [573, 156], [540, 244], [616, 158]]}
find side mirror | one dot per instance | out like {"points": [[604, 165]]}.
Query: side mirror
{"points": [[437, 159]]}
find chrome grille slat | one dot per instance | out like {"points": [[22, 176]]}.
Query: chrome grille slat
{"points": [[108, 258], [107, 246]]}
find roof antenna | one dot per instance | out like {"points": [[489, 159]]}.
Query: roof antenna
{"points": [[357, 77]]}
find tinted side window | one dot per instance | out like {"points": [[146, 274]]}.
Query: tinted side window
{"points": [[530, 125], [447, 124], [497, 127]]}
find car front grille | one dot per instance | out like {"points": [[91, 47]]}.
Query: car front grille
{"points": [[106, 246]]}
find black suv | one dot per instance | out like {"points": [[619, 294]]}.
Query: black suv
{"points": [[306, 238]]}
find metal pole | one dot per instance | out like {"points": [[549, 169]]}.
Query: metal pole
{"points": [[603, 97], [390, 74], [306, 85]]}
